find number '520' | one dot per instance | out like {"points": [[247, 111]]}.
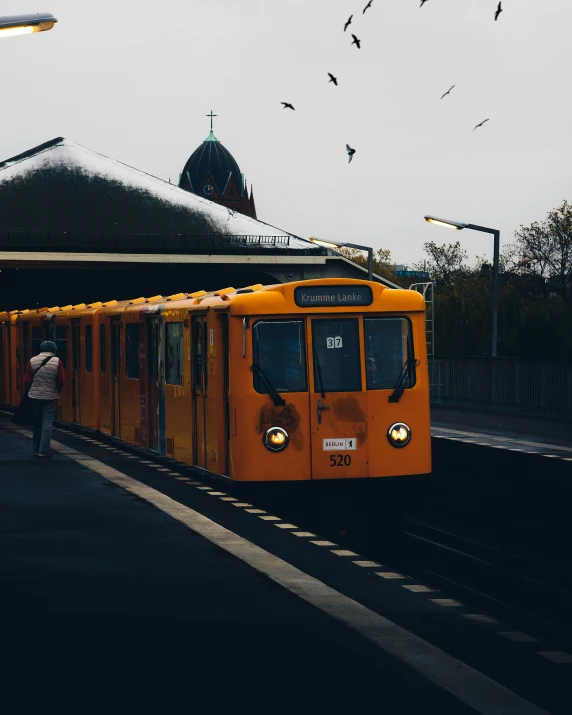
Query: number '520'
{"points": [[340, 460]]}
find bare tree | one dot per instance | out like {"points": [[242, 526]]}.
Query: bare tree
{"points": [[381, 260], [548, 245], [446, 262]]}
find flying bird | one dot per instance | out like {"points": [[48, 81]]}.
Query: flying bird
{"points": [[348, 23], [498, 12], [356, 42], [350, 151], [481, 124], [422, 3], [287, 105], [367, 6], [332, 79], [447, 92]]}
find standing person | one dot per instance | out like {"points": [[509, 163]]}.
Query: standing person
{"points": [[47, 373]]}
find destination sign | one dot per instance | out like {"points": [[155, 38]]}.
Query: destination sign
{"points": [[322, 296]]}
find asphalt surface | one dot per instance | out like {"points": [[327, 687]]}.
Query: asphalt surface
{"points": [[99, 583], [558, 432]]}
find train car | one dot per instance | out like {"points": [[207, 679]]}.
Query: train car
{"points": [[313, 380]]}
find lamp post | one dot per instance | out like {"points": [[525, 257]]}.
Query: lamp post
{"points": [[344, 244], [459, 226], [12, 25]]}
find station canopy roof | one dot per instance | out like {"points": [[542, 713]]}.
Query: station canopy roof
{"points": [[63, 186]]}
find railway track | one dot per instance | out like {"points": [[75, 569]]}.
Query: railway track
{"points": [[530, 590]]}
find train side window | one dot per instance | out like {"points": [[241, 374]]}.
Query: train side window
{"points": [[88, 349], [388, 345], [26, 342], [102, 350], [279, 350], [51, 330], [174, 357], [62, 343], [198, 355], [75, 345], [132, 350], [36, 340]]}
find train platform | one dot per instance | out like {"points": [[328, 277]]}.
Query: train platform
{"points": [[543, 437], [138, 574]]}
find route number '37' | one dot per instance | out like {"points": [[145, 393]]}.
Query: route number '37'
{"points": [[340, 460], [335, 342]]}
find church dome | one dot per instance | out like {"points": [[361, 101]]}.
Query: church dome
{"points": [[211, 161], [212, 172]]}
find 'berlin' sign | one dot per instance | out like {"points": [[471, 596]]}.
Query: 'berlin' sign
{"points": [[324, 296]]}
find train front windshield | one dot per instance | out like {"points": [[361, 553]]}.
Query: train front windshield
{"points": [[337, 354], [279, 356]]}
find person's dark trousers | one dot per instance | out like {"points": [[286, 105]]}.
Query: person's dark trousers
{"points": [[44, 414]]}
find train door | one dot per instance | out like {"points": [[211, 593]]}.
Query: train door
{"points": [[223, 321], [75, 370], [338, 402], [199, 332], [152, 343], [4, 364], [115, 347]]}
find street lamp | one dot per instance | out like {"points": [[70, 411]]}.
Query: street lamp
{"points": [[344, 244], [459, 226], [26, 24]]}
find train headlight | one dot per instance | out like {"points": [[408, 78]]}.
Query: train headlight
{"points": [[399, 434], [276, 439]]}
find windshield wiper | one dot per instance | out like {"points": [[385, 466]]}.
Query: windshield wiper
{"points": [[318, 370], [276, 399], [399, 387]]}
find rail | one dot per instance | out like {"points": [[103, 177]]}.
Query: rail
{"points": [[534, 388]]}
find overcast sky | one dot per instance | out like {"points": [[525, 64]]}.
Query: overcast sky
{"points": [[133, 79]]}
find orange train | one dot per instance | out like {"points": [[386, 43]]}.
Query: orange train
{"points": [[324, 379]]}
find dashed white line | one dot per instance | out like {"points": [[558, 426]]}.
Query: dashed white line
{"points": [[307, 534], [390, 575], [202, 489], [318, 543], [480, 618], [270, 518], [417, 588], [286, 526], [216, 494], [446, 602], [239, 503], [518, 637], [343, 552], [255, 511], [556, 656], [367, 564], [228, 499]]}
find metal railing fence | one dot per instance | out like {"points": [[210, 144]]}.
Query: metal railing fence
{"points": [[536, 388], [184, 243]]}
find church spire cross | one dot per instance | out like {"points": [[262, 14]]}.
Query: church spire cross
{"points": [[211, 115]]}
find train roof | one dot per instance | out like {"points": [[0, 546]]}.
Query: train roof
{"points": [[249, 300]]}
